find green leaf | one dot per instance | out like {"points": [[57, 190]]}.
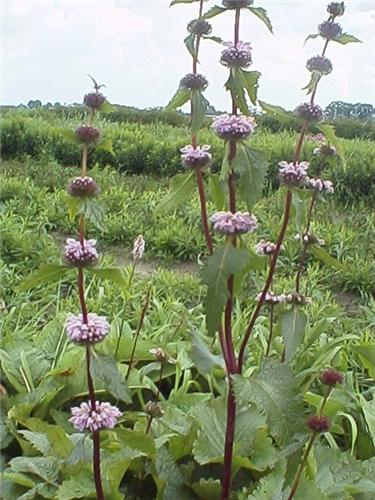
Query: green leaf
{"points": [[181, 187], [49, 273], [207, 489], [181, 97], [169, 477], [80, 486], [202, 357], [67, 134], [321, 254], [107, 107], [310, 87], [217, 191], [225, 261], [209, 444], [278, 112], [252, 167], [235, 87], [18, 478], [199, 104], [174, 2], [251, 84], [112, 274], [216, 39], [137, 440], [329, 133], [105, 145], [189, 42], [293, 324], [366, 353], [73, 206], [104, 368], [214, 11], [311, 37], [82, 451], [95, 212], [276, 393], [345, 38], [47, 468], [263, 16], [38, 440], [270, 487]]}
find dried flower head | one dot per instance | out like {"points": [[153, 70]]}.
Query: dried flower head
{"points": [[94, 100], [236, 55], [153, 409], [329, 30], [198, 157], [336, 9], [104, 416], [159, 354], [325, 150], [319, 64], [95, 330], [234, 128], [193, 81], [266, 247], [310, 239], [309, 112], [138, 247], [232, 224], [293, 175], [331, 377], [80, 254], [271, 298], [237, 4], [318, 424], [199, 27], [297, 299], [88, 135], [320, 185], [83, 187]]}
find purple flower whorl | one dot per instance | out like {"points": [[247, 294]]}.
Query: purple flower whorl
{"points": [[329, 30], [272, 299], [237, 4], [266, 247], [87, 135], [193, 81], [82, 187], [336, 9], [104, 416], [94, 100], [309, 112], [198, 157], [331, 377], [232, 224], [236, 55], [320, 64], [80, 255], [320, 185], [318, 424], [199, 27], [96, 329], [233, 127], [293, 175]]}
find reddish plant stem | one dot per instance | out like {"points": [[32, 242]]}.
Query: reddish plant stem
{"points": [[156, 398], [202, 199], [275, 255], [298, 150], [229, 441], [81, 293], [271, 331], [139, 327], [297, 479], [95, 434]]}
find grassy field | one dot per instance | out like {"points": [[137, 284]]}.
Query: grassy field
{"points": [[41, 370]]}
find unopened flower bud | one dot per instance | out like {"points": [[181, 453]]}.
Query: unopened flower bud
{"points": [[153, 409], [193, 81], [319, 64], [94, 100], [159, 354], [199, 27], [331, 377], [82, 187], [87, 134], [309, 112], [329, 30], [297, 299], [318, 424], [237, 4], [336, 9]]}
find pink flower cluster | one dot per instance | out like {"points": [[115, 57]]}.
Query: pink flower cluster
{"points": [[236, 55], [293, 175], [198, 157], [95, 330], [104, 416], [80, 254], [320, 185], [83, 186], [138, 248], [231, 224], [272, 299], [233, 127], [266, 247]]}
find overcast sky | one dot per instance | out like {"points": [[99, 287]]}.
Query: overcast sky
{"points": [[136, 48]]}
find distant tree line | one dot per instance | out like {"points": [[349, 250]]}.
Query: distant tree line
{"points": [[339, 109]]}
